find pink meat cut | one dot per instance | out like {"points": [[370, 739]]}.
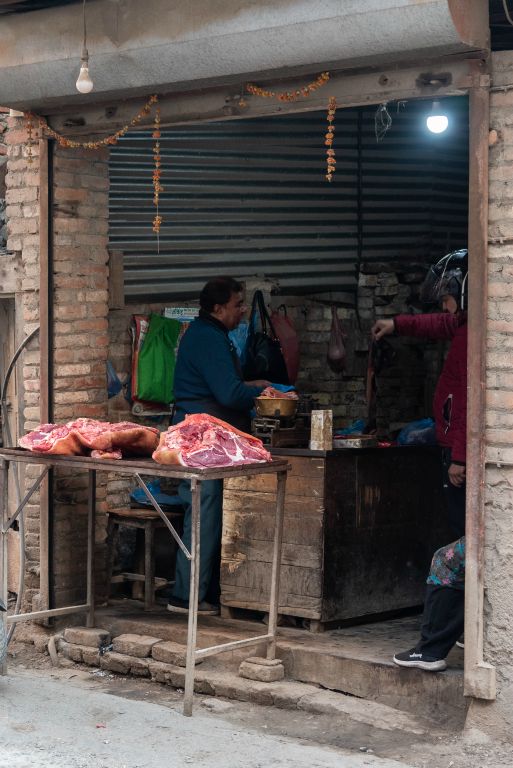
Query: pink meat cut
{"points": [[100, 439], [202, 441]]}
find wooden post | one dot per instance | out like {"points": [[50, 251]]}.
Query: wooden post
{"points": [[91, 514], [275, 573], [193, 597]]}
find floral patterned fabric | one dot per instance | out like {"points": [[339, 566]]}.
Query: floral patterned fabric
{"points": [[448, 566]]}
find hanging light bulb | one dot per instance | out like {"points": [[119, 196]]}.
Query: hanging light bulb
{"points": [[84, 83], [437, 121]]}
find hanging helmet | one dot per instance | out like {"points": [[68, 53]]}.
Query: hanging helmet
{"points": [[448, 277]]}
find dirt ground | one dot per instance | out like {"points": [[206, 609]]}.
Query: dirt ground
{"points": [[221, 733]]}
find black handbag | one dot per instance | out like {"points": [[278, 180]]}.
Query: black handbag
{"points": [[263, 354]]}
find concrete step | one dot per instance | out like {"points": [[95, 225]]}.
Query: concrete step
{"points": [[355, 661]]}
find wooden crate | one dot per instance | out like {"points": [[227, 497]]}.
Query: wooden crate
{"points": [[360, 528]]}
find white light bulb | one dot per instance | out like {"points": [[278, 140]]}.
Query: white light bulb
{"points": [[436, 121], [84, 83]]}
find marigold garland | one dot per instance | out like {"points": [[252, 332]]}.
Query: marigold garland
{"points": [[157, 186], [62, 141], [299, 93], [30, 128], [330, 152]]}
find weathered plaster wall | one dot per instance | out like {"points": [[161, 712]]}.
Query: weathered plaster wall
{"points": [[497, 717]]}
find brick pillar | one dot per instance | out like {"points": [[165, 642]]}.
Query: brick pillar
{"points": [[497, 717], [22, 213], [80, 341]]}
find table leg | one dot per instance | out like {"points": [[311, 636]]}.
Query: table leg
{"points": [[91, 514], [193, 597], [275, 574], [149, 567], [4, 514]]}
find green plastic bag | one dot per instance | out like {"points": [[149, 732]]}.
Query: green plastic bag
{"points": [[157, 357]]}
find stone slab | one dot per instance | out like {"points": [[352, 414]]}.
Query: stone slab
{"points": [[89, 636], [264, 673], [134, 645], [170, 653], [116, 662]]}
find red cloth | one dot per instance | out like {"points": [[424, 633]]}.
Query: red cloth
{"points": [[450, 400]]}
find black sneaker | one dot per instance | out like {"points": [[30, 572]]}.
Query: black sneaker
{"points": [[461, 642], [418, 659], [176, 605]]}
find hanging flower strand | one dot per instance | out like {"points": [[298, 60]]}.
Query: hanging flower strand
{"points": [[330, 152], [30, 138], [62, 141], [299, 93], [157, 186]]}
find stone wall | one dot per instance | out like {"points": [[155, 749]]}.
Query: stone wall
{"points": [[80, 340]]}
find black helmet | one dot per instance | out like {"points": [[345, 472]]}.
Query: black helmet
{"points": [[447, 277]]}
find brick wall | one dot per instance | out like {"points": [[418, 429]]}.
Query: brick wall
{"points": [[80, 341]]}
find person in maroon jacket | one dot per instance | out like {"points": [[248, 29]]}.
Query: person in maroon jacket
{"points": [[444, 604]]}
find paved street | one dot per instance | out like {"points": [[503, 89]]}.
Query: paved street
{"points": [[70, 723]]}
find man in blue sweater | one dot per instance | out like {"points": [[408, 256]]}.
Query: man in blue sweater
{"points": [[208, 379]]}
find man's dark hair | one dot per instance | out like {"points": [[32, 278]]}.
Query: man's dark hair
{"points": [[218, 291]]}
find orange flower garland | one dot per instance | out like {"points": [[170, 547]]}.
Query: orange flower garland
{"points": [[30, 128], [303, 92], [330, 152], [157, 186], [62, 141]]}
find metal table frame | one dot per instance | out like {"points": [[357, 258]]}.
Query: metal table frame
{"points": [[136, 468]]}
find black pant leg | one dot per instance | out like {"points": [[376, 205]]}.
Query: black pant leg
{"points": [[443, 620]]}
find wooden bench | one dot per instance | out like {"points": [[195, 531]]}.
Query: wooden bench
{"points": [[148, 520]]}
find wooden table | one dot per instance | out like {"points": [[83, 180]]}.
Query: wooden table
{"points": [[136, 468]]}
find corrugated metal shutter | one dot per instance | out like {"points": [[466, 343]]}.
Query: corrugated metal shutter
{"points": [[249, 198]]}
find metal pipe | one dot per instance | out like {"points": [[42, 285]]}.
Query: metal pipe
{"points": [[67, 611], [479, 677], [275, 573], [91, 513], [4, 481], [8, 434], [27, 496], [193, 597], [163, 515], [202, 653]]}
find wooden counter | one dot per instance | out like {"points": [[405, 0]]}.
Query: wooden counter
{"points": [[360, 528]]}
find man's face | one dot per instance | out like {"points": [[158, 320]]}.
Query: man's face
{"points": [[449, 304], [231, 313]]}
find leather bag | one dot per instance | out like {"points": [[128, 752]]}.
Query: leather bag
{"points": [[263, 354]]}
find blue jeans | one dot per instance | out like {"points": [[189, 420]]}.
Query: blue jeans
{"points": [[211, 523]]}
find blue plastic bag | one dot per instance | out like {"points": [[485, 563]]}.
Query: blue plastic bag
{"points": [[356, 428], [421, 432], [239, 337], [114, 385]]}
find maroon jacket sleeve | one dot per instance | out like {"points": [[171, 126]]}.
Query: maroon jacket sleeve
{"points": [[440, 325]]}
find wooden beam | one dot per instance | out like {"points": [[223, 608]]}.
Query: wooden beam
{"points": [[44, 351], [432, 80]]}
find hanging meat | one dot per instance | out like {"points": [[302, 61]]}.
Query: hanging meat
{"points": [[202, 441], [336, 347]]}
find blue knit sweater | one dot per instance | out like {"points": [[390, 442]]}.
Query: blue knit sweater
{"points": [[207, 375]]}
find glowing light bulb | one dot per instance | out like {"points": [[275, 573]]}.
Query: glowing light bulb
{"points": [[437, 121], [84, 83]]}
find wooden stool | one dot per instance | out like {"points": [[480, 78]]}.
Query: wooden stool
{"points": [[147, 520]]}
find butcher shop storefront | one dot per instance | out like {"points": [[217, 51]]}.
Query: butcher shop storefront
{"points": [[327, 193]]}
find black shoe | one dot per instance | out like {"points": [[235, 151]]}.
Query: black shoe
{"points": [[176, 605], [417, 659], [461, 642]]}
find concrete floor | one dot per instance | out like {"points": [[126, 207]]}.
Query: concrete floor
{"points": [[354, 660]]}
